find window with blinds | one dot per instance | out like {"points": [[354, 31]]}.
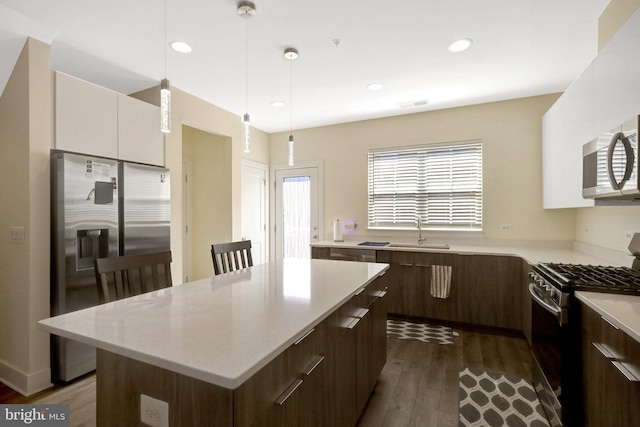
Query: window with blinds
{"points": [[441, 183]]}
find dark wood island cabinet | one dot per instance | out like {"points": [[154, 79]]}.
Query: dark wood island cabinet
{"points": [[287, 343]]}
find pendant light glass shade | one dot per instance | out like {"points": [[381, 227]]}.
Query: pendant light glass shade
{"points": [[165, 106], [165, 91], [291, 142], [247, 128]]}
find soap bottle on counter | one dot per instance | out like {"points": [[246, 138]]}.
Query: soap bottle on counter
{"points": [[337, 231]]}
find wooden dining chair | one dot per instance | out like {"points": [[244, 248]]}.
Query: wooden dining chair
{"points": [[231, 256], [124, 276]]}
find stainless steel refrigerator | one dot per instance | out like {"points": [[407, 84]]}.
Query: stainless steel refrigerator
{"points": [[99, 208]]}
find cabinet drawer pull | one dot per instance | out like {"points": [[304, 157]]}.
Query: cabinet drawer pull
{"points": [[359, 291], [309, 332], [609, 322], [423, 265], [383, 273], [353, 323], [405, 265], [604, 350], [363, 313], [382, 294], [314, 365], [625, 371], [288, 392]]}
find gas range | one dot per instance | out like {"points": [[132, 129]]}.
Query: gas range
{"points": [[594, 278]]}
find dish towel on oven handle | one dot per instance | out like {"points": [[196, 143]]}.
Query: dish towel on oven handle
{"points": [[440, 281]]}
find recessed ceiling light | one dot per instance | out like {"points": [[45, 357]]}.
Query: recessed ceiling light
{"points": [[181, 47], [374, 86], [277, 104], [460, 45]]}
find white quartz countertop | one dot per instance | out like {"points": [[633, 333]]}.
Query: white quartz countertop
{"points": [[622, 311], [221, 329], [532, 252]]}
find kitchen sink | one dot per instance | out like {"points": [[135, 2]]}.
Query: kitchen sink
{"points": [[416, 245]]}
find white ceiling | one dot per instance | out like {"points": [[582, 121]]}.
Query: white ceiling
{"points": [[521, 48]]}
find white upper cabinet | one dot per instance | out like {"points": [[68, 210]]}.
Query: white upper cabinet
{"points": [[602, 97], [86, 117], [139, 135], [566, 127], [617, 78], [100, 122]]}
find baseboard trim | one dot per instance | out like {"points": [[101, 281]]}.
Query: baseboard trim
{"points": [[25, 384]]}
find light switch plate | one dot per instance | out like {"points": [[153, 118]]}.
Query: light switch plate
{"points": [[17, 235]]}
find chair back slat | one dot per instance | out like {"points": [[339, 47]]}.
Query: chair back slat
{"points": [[121, 277], [232, 256]]}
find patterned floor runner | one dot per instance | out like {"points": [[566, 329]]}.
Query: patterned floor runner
{"points": [[490, 399], [420, 332]]}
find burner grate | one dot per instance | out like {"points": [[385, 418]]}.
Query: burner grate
{"points": [[596, 278]]}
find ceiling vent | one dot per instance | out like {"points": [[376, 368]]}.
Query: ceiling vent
{"points": [[413, 104]]}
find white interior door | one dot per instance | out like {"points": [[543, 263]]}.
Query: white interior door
{"points": [[297, 216], [254, 209]]}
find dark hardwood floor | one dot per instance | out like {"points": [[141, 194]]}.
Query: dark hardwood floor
{"points": [[418, 385]]}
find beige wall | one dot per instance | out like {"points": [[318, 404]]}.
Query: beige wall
{"points": [[196, 113], [211, 195], [613, 17], [512, 156], [25, 132]]}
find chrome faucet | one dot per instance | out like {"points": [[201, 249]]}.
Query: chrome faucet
{"points": [[420, 238]]}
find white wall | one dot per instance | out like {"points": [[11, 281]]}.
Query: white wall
{"points": [[511, 133]]}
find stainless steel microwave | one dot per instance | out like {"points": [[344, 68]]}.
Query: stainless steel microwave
{"points": [[610, 164]]}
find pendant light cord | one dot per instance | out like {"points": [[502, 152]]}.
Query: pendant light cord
{"points": [[246, 61], [291, 95], [165, 38]]}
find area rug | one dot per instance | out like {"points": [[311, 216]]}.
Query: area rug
{"points": [[424, 332], [490, 399]]}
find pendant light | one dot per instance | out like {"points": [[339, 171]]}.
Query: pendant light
{"points": [[246, 9], [291, 54], [165, 90]]}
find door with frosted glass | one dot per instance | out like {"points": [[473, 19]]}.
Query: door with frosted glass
{"points": [[296, 212]]}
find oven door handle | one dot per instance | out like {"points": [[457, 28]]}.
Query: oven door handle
{"points": [[551, 308]]}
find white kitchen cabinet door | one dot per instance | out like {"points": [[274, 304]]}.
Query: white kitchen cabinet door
{"points": [[566, 127], [86, 117], [139, 136], [617, 86]]}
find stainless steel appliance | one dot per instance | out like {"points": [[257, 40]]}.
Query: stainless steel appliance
{"points": [[99, 207], [555, 324], [610, 164]]}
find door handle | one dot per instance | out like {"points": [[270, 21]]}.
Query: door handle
{"points": [[628, 151]]}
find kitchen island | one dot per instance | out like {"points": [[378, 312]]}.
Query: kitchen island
{"points": [[251, 347]]}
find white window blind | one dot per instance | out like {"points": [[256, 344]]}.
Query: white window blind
{"points": [[441, 183]]}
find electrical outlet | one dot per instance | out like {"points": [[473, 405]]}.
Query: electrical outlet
{"points": [[505, 227], [154, 412], [628, 234]]}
